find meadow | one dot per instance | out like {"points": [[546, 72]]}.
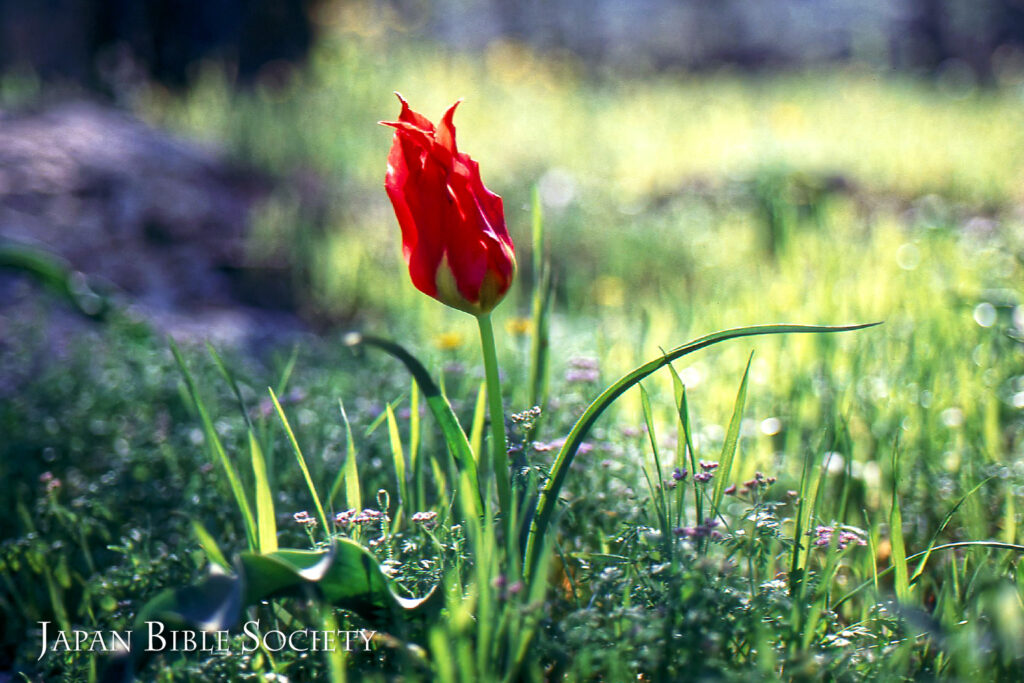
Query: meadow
{"points": [[873, 530]]}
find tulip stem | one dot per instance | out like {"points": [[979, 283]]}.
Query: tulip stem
{"points": [[499, 448]]}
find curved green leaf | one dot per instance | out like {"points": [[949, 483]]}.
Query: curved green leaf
{"points": [[443, 413], [57, 275], [212, 605], [560, 468], [345, 576]]}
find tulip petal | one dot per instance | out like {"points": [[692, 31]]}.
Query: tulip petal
{"points": [[408, 186], [445, 134], [410, 116]]}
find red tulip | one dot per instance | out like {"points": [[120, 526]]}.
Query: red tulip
{"points": [[454, 237]]}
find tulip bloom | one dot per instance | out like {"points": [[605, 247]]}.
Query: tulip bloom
{"points": [[454, 237]]}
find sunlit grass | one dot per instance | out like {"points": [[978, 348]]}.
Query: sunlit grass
{"points": [[631, 137]]}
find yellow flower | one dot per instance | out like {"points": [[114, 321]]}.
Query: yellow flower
{"points": [[448, 341], [609, 291], [519, 326]]}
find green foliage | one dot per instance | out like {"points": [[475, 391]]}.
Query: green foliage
{"points": [[563, 461], [693, 204], [455, 437]]}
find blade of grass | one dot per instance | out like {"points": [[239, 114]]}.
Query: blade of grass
{"points": [[899, 549], [286, 372], [336, 656], [845, 446], [269, 452], [213, 442], [415, 458], [541, 307], [444, 662], [398, 458], [687, 434], [230, 379], [526, 635], [997, 545], [804, 512], [382, 417], [209, 546], [476, 431], [819, 603], [942, 526], [678, 389], [870, 561], [645, 404], [537, 232], [266, 523], [540, 343], [325, 525], [560, 468], [440, 483], [349, 473], [657, 493], [732, 438], [805, 618]]}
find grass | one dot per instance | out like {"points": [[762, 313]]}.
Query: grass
{"points": [[874, 528]]}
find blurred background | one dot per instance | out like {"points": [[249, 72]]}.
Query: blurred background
{"points": [[100, 44], [220, 159]]}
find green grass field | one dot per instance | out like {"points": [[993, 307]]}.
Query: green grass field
{"points": [[673, 205]]}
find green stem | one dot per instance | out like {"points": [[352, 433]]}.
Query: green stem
{"points": [[499, 448]]}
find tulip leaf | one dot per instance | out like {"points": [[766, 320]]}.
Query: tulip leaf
{"points": [[556, 479], [438, 404], [213, 605], [345, 576], [57, 275]]}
